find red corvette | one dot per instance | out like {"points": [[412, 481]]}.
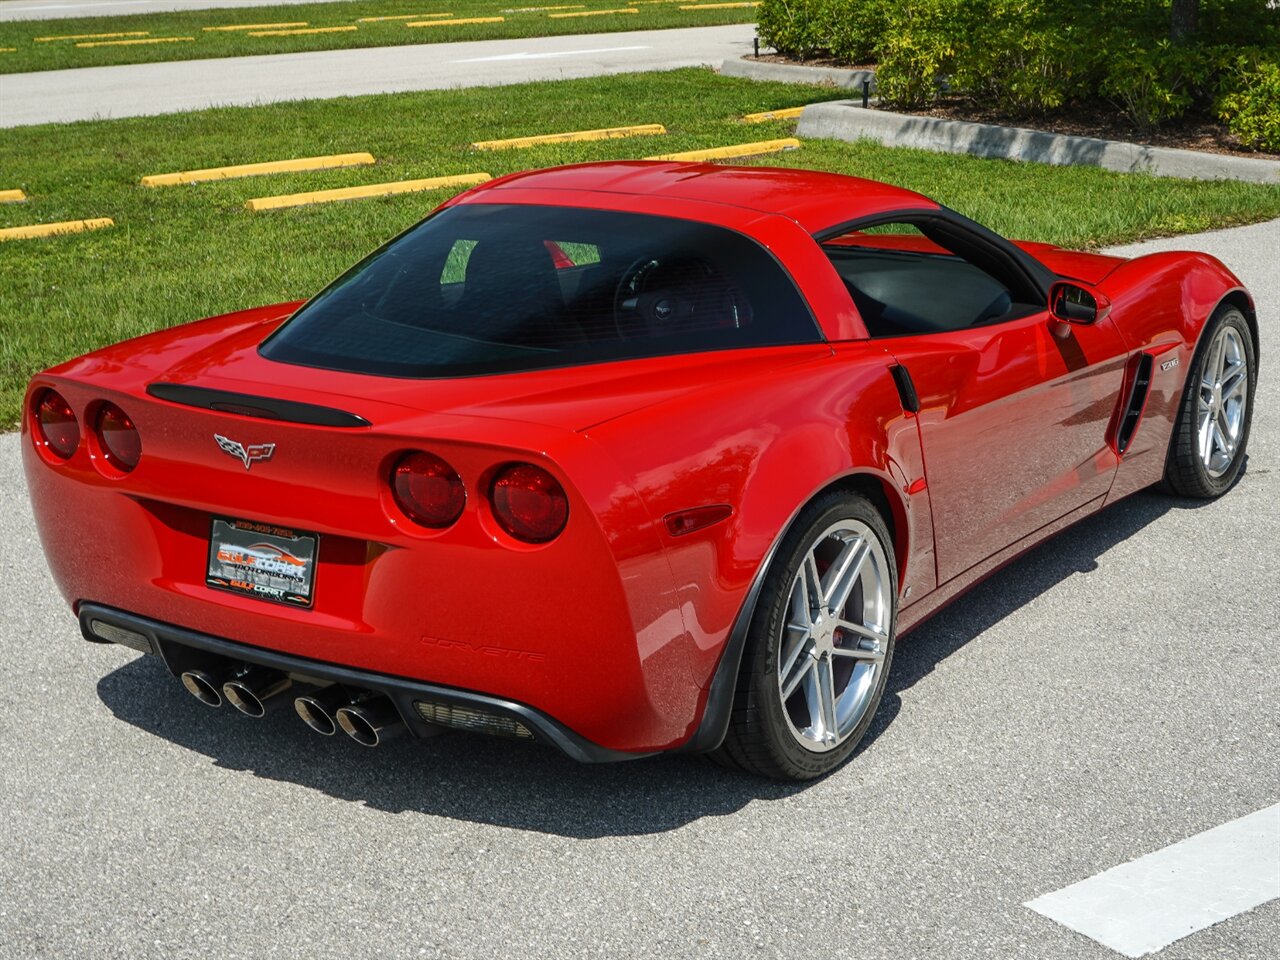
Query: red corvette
{"points": [[625, 458]]}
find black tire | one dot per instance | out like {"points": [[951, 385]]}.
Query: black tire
{"points": [[760, 738], [1186, 473]]}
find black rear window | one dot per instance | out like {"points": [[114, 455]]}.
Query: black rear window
{"points": [[487, 288]]}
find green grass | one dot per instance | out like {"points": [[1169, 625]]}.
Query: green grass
{"points": [[179, 253], [28, 55]]}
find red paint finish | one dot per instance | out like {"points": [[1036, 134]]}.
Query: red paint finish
{"points": [[1014, 423], [805, 427], [815, 201], [672, 478], [1163, 301], [1090, 267]]}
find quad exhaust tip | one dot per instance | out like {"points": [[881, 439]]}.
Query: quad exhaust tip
{"points": [[204, 686], [371, 722], [251, 691], [317, 709]]}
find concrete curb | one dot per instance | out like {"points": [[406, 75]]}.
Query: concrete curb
{"points": [[796, 73], [846, 120]]}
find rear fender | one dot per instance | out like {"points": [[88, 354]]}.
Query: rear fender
{"points": [[816, 425], [1161, 304]]}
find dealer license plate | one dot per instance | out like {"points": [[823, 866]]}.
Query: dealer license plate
{"points": [[262, 560]]}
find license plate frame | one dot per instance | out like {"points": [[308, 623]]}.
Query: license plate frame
{"points": [[263, 561]]}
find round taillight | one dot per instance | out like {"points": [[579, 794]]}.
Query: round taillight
{"points": [[121, 444], [428, 490], [56, 426], [529, 503]]}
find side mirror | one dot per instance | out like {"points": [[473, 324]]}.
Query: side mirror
{"points": [[1071, 303]]}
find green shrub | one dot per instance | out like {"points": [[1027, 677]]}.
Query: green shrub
{"points": [[1152, 83], [917, 50], [835, 28], [1240, 24], [1023, 58], [1251, 109], [853, 33], [1027, 57], [793, 27]]}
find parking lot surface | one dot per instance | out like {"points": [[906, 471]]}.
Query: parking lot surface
{"points": [[146, 89], [1110, 694]]}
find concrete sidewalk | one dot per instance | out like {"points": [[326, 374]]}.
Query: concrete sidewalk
{"points": [[63, 96]]}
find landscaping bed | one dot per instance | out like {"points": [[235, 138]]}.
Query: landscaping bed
{"points": [[1099, 119], [831, 62], [1191, 74]]}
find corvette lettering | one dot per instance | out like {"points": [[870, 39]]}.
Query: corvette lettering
{"points": [[246, 454], [1169, 364], [485, 650]]}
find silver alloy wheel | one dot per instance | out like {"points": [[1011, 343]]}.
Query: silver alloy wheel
{"points": [[834, 642], [1224, 393]]}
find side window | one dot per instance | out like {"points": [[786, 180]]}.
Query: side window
{"points": [[903, 283]]}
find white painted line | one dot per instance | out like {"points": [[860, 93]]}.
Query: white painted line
{"points": [[544, 56], [1145, 905]]}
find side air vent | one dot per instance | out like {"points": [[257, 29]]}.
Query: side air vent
{"points": [[248, 405], [1135, 404]]}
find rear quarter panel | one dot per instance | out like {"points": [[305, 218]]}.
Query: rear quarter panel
{"points": [[767, 446]]}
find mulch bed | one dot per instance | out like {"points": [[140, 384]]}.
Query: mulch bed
{"points": [[815, 62]]}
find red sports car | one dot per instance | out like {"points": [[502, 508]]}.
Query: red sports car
{"points": [[625, 458]]}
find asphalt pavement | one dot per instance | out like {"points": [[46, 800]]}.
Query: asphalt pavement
{"points": [[88, 93], [67, 9], [1110, 694]]}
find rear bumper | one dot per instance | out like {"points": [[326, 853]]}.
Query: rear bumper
{"points": [[587, 629], [181, 649]]}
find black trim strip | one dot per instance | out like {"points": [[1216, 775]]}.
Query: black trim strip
{"points": [[944, 220], [716, 715], [249, 405], [718, 712], [183, 649]]}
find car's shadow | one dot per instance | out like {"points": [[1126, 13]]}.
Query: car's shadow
{"points": [[532, 788]]}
